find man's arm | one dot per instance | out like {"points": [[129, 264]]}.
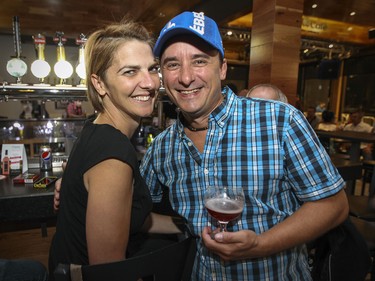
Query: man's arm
{"points": [[309, 222]]}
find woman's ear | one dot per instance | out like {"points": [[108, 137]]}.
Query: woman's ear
{"points": [[98, 84]]}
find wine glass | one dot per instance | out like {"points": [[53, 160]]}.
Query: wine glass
{"points": [[224, 203]]}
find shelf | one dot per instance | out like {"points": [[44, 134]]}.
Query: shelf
{"points": [[41, 92]]}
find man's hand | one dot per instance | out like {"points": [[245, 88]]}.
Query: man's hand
{"points": [[231, 245], [56, 196]]}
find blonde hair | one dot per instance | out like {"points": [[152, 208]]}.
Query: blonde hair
{"points": [[101, 47]]}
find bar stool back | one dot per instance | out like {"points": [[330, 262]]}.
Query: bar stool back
{"points": [[170, 263], [368, 170]]}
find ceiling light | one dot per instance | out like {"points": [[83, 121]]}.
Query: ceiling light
{"points": [[352, 13], [330, 46], [229, 32], [314, 6], [350, 28]]}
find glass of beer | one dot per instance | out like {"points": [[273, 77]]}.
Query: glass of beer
{"points": [[224, 203]]}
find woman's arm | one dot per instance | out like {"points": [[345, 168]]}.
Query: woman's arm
{"points": [[110, 189]]}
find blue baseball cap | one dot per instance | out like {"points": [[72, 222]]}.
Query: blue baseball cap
{"points": [[190, 23]]}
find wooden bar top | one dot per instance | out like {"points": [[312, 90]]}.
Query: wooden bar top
{"points": [[22, 202], [348, 135]]}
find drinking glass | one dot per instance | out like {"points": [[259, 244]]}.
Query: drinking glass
{"points": [[224, 203]]}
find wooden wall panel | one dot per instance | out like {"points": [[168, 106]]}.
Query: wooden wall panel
{"points": [[275, 43]]}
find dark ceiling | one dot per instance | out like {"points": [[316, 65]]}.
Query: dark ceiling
{"points": [[74, 17], [82, 16]]}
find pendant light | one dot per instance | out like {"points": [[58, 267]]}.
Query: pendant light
{"points": [[81, 67], [40, 68], [63, 69], [16, 66]]}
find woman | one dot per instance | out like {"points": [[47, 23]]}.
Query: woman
{"points": [[103, 200]]}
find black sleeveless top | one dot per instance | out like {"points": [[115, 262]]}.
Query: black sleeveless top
{"points": [[95, 144]]}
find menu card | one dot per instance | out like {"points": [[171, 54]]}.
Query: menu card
{"points": [[14, 159]]}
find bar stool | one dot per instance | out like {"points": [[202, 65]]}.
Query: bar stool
{"points": [[368, 169]]}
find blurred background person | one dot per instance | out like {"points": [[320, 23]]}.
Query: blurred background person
{"points": [[328, 122], [311, 116], [356, 124], [267, 91], [34, 109], [75, 110]]}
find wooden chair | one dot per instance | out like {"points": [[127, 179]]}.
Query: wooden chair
{"points": [[170, 263], [368, 169], [350, 171]]}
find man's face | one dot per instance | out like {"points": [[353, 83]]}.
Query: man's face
{"points": [[192, 75], [310, 112], [355, 118]]}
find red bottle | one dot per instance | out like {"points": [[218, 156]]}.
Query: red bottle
{"points": [[6, 164]]}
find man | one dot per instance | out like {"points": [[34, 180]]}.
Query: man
{"points": [[293, 194], [266, 91], [312, 118], [74, 110], [357, 125]]}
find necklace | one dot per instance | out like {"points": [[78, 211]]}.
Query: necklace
{"points": [[196, 129], [190, 128]]}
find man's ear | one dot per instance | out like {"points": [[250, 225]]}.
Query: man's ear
{"points": [[223, 69]]}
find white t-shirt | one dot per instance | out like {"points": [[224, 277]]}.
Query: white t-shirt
{"points": [[327, 127], [362, 127]]}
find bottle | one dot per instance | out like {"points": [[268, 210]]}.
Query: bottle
{"points": [[6, 164], [141, 136], [149, 140]]}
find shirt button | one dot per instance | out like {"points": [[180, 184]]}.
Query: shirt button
{"points": [[206, 171], [190, 143]]}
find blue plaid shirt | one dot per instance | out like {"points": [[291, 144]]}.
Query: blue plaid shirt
{"points": [[266, 147]]}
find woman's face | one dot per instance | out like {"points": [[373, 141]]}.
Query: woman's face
{"points": [[132, 81]]}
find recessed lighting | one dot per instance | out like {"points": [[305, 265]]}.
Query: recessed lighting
{"points": [[350, 28], [352, 13], [314, 6], [330, 46]]}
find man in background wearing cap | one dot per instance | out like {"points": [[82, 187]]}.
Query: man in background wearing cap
{"points": [[293, 193]]}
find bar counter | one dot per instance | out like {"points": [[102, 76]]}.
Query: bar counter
{"points": [[24, 203]]}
